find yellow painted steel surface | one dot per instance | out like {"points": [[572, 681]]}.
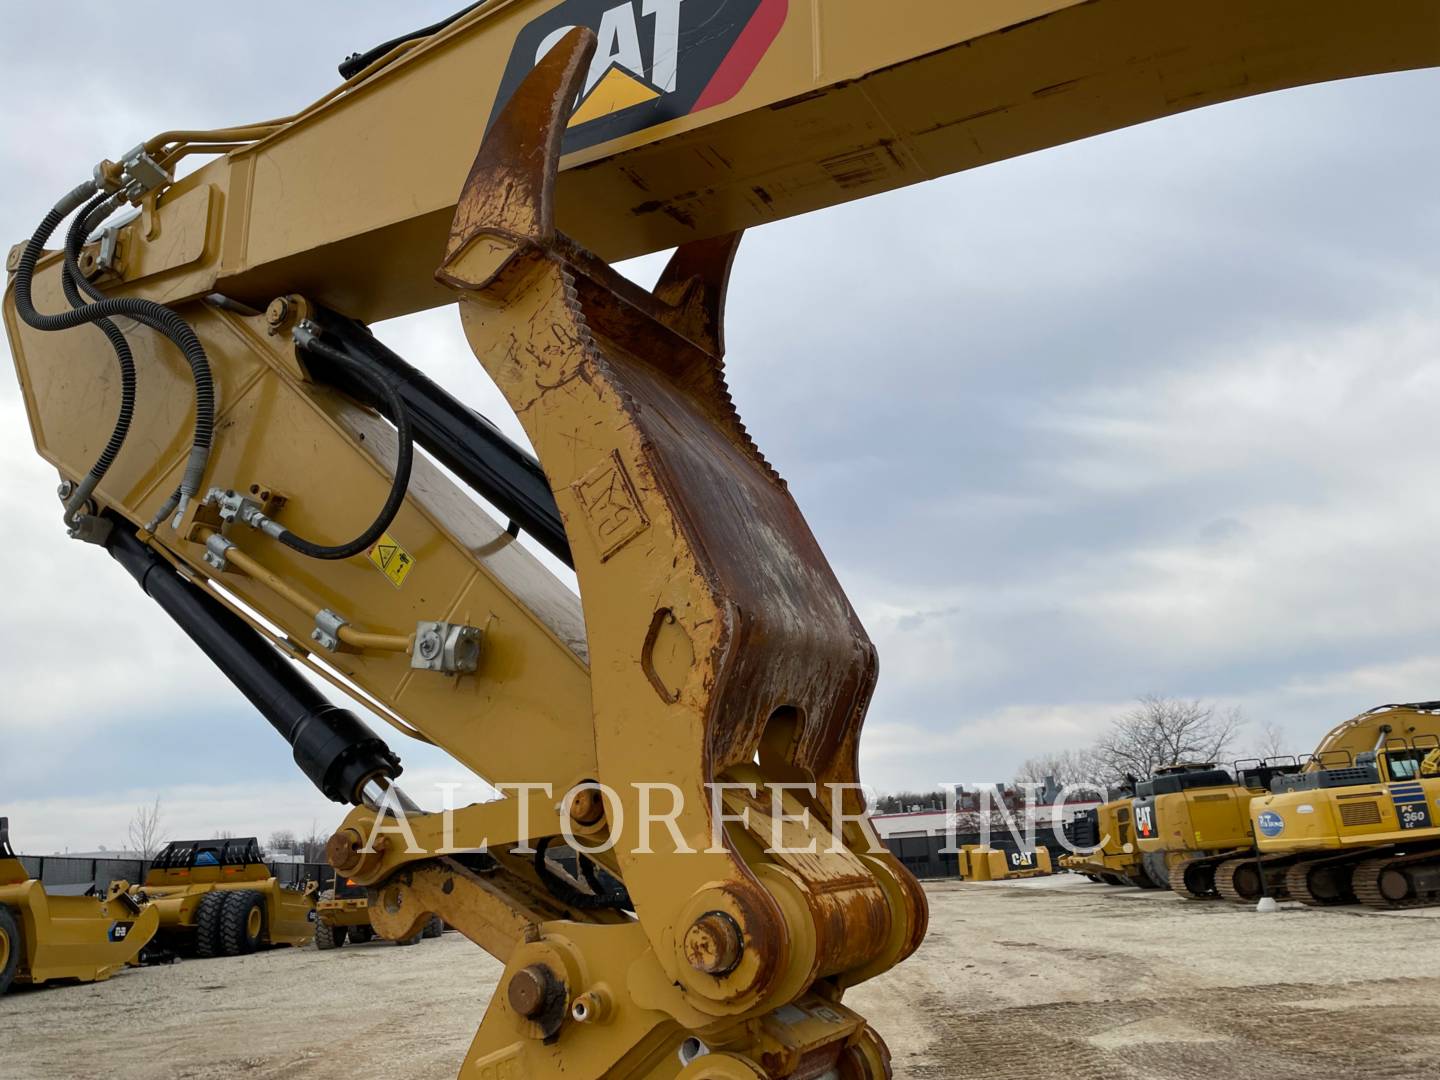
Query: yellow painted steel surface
{"points": [[287, 912], [1200, 819], [1119, 853], [85, 938], [1362, 815], [343, 912]]}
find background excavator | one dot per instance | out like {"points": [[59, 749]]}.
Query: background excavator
{"points": [[1213, 831], [1192, 824], [1362, 821], [710, 644]]}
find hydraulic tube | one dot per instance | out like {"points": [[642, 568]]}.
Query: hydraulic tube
{"points": [[460, 438], [333, 746]]}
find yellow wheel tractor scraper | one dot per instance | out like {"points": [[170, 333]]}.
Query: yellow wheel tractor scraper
{"points": [[44, 937], [219, 898]]}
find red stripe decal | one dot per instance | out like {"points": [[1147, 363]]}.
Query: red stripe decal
{"points": [[736, 69]]}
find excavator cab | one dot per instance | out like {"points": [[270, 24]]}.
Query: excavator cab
{"points": [[1406, 758]]}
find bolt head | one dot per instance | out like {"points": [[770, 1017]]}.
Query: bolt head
{"points": [[529, 989], [714, 944], [587, 807], [277, 312]]}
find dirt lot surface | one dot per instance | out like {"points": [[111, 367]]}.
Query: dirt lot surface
{"points": [[1053, 978]]}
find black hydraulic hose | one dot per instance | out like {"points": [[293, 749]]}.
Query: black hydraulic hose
{"points": [[149, 312], [455, 434], [609, 893], [404, 458], [86, 221], [355, 63], [123, 357]]}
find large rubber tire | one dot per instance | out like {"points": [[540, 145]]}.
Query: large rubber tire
{"points": [[242, 922], [208, 915], [359, 934], [12, 944], [413, 939], [329, 937], [434, 928]]}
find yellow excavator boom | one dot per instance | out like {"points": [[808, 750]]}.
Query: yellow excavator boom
{"points": [[728, 116]]}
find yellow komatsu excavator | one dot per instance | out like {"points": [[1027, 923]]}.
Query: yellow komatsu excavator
{"points": [[45, 938], [712, 673], [1361, 822]]}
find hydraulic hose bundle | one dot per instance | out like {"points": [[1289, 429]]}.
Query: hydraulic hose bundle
{"points": [[91, 208], [147, 312]]}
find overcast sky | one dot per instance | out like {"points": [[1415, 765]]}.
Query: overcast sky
{"points": [[1153, 412]]}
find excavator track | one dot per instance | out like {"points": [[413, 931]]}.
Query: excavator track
{"points": [[1239, 879], [1391, 881], [1194, 879], [1322, 882]]}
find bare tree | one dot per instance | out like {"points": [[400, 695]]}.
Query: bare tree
{"points": [[1270, 741], [312, 847], [147, 831], [1162, 731], [1065, 766], [282, 840]]}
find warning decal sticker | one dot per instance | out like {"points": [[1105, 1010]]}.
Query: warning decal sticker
{"points": [[656, 59], [392, 560]]}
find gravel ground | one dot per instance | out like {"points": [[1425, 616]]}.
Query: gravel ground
{"points": [[1053, 978]]}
